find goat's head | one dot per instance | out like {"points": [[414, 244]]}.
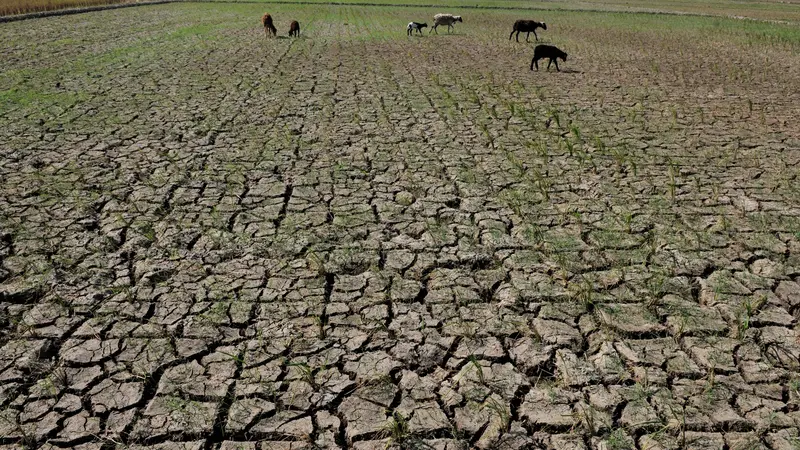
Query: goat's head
{"points": [[423, 25], [544, 26], [563, 56], [458, 19]]}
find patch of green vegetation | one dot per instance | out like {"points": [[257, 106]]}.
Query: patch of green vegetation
{"points": [[619, 440], [725, 8], [29, 88], [193, 30]]}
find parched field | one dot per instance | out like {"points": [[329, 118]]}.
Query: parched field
{"points": [[209, 239]]}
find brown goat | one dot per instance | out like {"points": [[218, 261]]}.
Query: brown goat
{"points": [[527, 26], [294, 29], [266, 19]]}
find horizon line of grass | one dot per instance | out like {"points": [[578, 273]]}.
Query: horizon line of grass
{"points": [[18, 9], [521, 5]]}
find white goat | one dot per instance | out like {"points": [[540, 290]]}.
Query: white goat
{"points": [[444, 19], [415, 26]]}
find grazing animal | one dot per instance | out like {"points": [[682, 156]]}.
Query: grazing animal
{"points": [[294, 29], [547, 51], [266, 20], [527, 26], [415, 26], [444, 19]]}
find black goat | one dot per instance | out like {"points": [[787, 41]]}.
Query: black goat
{"points": [[527, 26], [547, 51]]}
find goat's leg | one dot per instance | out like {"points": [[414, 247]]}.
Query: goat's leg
{"points": [[511, 35], [550, 62], [534, 35], [528, 36], [557, 69]]}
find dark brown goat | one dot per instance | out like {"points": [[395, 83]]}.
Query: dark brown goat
{"points": [[294, 29], [527, 26], [266, 20], [547, 51]]}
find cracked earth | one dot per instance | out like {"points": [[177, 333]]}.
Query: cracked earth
{"points": [[356, 239]]}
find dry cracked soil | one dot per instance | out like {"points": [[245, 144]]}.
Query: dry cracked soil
{"points": [[210, 239]]}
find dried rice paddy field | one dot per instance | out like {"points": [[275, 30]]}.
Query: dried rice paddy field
{"points": [[357, 239]]}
